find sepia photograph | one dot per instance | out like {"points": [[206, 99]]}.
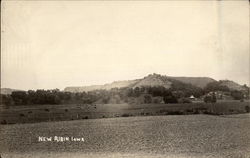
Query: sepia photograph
{"points": [[125, 79]]}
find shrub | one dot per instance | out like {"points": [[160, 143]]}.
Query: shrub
{"points": [[125, 115], [66, 110], [196, 111], [237, 95], [3, 122], [162, 111], [210, 98], [247, 109], [147, 113], [189, 111], [86, 117], [19, 97], [207, 112], [46, 110], [231, 110], [22, 115], [170, 99], [147, 99], [175, 113], [184, 100]]}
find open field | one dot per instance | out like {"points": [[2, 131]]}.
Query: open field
{"points": [[45, 113], [150, 136]]}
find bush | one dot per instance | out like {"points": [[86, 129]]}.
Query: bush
{"points": [[170, 99], [147, 113], [247, 109], [189, 111], [6, 100], [19, 97], [86, 117], [231, 110], [22, 115], [3, 122], [147, 99], [237, 95], [184, 100], [125, 115], [207, 112], [175, 113], [210, 98], [196, 111]]}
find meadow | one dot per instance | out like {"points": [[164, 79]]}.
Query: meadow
{"points": [[66, 112]]}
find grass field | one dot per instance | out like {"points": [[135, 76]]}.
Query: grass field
{"points": [[176, 136], [45, 113]]}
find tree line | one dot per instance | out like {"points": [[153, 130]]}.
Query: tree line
{"points": [[177, 93]]}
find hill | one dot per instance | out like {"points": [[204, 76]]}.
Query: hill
{"points": [[152, 80], [195, 81], [115, 84], [232, 85]]}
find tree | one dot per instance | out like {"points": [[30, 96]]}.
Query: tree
{"points": [[214, 98], [137, 91], [216, 86], [6, 99], [170, 98], [237, 95], [211, 98], [19, 97], [147, 99]]}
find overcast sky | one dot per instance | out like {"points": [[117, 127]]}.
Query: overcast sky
{"points": [[54, 44]]}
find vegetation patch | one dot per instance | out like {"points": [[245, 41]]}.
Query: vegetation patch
{"points": [[3, 122], [125, 115]]}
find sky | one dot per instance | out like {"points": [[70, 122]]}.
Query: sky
{"points": [[55, 44]]}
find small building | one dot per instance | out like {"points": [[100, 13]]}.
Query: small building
{"points": [[192, 97]]}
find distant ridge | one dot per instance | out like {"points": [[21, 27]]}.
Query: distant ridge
{"points": [[8, 90], [150, 80]]}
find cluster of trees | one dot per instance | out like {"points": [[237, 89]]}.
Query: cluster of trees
{"points": [[216, 86], [235, 94], [211, 98], [185, 90], [115, 95], [46, 97]]}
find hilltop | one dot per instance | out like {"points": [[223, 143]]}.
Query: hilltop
{"points": [[152, 80]]}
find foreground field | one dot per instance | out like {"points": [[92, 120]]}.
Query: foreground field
{"points": [[44, 113], [150, 136]]}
